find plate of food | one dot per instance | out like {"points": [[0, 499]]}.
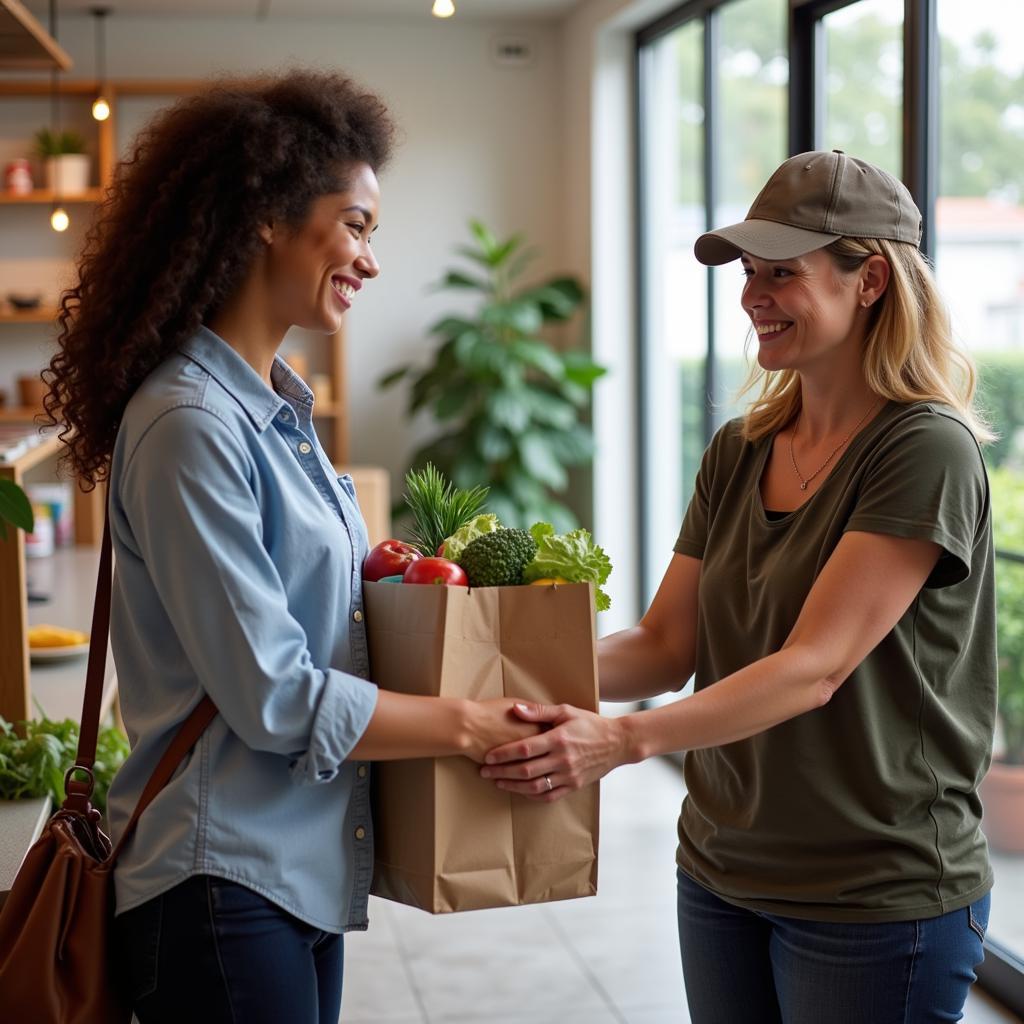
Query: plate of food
{"points": [[55, 643]]}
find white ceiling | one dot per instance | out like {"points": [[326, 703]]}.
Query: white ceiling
{"points": [[305, 8]]}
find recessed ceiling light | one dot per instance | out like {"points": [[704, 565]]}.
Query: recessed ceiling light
{"points": [[443, 9]]}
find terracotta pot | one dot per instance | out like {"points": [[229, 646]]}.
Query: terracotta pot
{"points": [[1002, 794], [31, 391]]}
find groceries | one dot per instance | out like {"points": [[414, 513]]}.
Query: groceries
{"points": [[460, 544]]}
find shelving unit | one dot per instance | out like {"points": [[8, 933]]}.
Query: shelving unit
{"points": [[57, 686], [331, 417]]}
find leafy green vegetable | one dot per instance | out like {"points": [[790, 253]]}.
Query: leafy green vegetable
{"points": [[453, 547], [438, 507], [34, 764], [573, 556]]}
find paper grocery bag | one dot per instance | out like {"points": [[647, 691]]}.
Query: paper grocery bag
{"points": [[444, 838]]}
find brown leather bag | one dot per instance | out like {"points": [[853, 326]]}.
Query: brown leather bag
{"points": [[57, 963]]}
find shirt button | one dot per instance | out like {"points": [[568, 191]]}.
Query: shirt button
{"points": [[361, 771], [357, 615], [360, 832], [305, 448], [283, 415]]}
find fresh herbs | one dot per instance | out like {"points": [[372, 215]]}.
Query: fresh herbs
{"points": [[438, 508], [34, 764]]}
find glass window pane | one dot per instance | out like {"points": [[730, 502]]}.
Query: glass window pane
{"points": [[674, 288], [863, 101], [753, 77], [979, 222]]}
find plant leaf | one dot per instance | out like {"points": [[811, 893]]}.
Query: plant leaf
{"points": [[483, 234], [540, 461], [389, 379], [509, 410], [581, 369], [493, 443], [15, 507], [540, 356], [457, 279], [550, 409]]}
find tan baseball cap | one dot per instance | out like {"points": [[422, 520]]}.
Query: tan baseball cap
{"points": [[812, 200]]}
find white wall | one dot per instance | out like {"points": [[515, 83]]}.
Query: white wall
{"points": [[477, 140]]}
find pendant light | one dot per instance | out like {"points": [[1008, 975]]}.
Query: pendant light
{"points": [[100, 105], [59, 219], [443, 9]]}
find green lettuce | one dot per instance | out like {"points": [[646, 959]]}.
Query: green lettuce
{"points": [[573, 556], [477, 526]]}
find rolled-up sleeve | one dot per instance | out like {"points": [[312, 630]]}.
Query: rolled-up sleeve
{"points": [[196, 523]]}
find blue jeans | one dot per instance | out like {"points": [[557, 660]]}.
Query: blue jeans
{"points": [[748, 967], [210, 951]]}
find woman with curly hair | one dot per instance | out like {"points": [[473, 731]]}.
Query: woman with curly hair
{"points": [[242, 211]]}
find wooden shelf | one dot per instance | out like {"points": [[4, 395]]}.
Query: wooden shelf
{"points": [[18, 414], [45, 449], [45, 195], [42, 315]]}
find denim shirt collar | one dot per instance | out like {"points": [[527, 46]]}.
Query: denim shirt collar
{"points": [[260, 403]]}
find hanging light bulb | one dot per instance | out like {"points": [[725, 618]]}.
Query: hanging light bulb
{"points": [[443, 9], [59, 219], [100, 106]]}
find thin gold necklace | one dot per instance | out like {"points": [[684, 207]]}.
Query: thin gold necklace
{"points": [[804, 481]]}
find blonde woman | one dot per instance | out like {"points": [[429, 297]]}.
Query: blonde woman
{"points": [[832, 593]]}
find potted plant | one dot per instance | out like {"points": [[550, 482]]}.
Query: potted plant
{"points": [[509, 402], [65, 162], [1002, 791]]}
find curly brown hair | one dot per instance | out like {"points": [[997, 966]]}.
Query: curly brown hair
{"points": [[178, 231]]}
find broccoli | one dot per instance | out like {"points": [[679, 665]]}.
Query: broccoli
{"points": [[497, 559]]}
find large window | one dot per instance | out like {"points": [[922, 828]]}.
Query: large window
{"points": [[932, 90], [713, 96]]}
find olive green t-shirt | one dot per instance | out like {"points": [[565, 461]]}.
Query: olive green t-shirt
{"points": [[865, 809]]}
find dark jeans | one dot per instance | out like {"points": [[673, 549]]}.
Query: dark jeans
{"points": [[758, 968], [210, 951]]}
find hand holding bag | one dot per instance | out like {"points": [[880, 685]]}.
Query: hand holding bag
{"points": [[56, 955]]}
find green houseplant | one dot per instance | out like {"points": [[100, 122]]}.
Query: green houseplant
{"points": [[510, 404], [1002, 791], [50, 143]]}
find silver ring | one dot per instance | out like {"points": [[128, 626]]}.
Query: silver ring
{"points": [[547, 779]]}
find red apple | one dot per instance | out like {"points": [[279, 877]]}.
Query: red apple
{"points": [[389, 558], [436, 570]]}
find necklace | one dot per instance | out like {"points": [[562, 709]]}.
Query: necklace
{"points": [[804, 481]]}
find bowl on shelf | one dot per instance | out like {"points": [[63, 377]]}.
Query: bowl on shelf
{"points": [[24, 303]]}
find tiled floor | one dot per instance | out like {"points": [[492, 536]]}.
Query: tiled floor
{"points": [[610, 959]]}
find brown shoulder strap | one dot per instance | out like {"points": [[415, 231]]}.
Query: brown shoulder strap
{"points": [[191, 729]]}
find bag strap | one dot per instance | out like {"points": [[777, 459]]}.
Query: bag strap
{"points": [[78, 792]]}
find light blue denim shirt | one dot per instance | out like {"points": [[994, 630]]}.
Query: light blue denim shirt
{"points": [[237, 574]]}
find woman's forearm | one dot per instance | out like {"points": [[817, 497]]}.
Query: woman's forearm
{"points": [[404, 725], [633, 664], [769, 691]]}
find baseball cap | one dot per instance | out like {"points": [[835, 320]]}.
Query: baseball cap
{"points": [[812, 200]]}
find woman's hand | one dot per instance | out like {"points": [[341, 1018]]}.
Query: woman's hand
{"points": [[577, 748], [493, 722]]}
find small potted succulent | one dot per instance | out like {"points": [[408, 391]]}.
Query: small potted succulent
{"points": [[64, 159]]}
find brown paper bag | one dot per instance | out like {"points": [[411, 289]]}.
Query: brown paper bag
{"points": [[444, 838]]}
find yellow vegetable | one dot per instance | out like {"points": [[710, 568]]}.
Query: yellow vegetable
{"points": [[55, 636], [548, 581]]}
